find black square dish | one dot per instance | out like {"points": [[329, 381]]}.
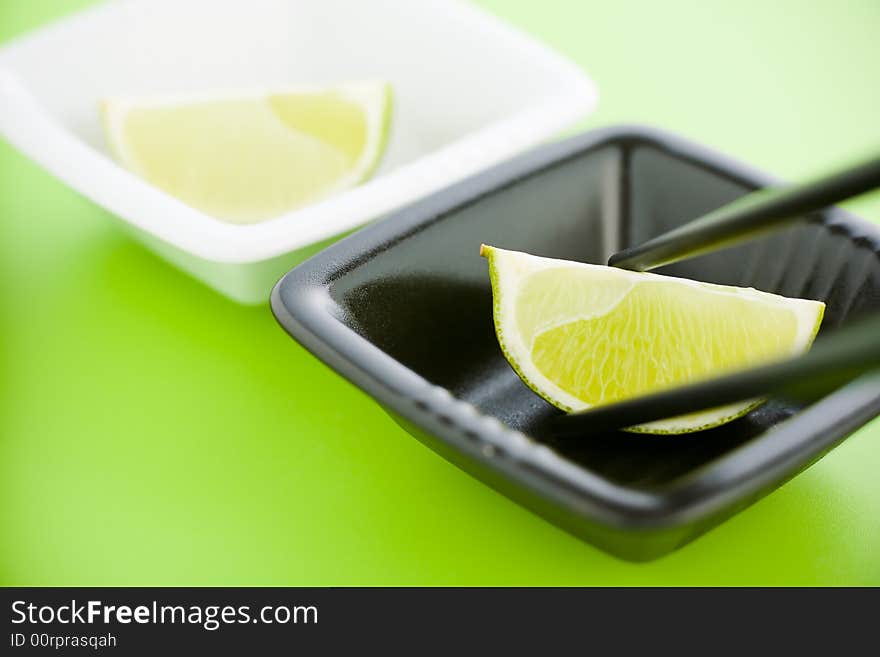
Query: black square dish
{"points": [[403, 309]]}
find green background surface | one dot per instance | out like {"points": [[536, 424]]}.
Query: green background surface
{"points": [[152, 432]]}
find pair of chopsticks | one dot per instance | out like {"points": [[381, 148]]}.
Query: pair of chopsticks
{"points": [[848, 353]]}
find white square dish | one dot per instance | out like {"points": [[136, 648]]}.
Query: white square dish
{"points": [[469, 92]]}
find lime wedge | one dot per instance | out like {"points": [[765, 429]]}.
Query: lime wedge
{"points": [[250, 157], [585, 335]]}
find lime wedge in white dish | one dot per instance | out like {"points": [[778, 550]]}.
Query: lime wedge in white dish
{"points": [[244, 158], [585, 335]]}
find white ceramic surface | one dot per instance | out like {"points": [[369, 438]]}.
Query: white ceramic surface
{"points": [[470, 92]]}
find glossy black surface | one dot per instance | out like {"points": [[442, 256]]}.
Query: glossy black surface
{"points": [[750, 216], [403, 309]]}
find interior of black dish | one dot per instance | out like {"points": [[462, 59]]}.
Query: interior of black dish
{"points": [[426, 300]]}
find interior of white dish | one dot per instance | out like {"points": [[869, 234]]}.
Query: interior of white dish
{"points": [[448, 82]]}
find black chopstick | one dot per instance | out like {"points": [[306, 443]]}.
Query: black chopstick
{"points": [[835, 360], [750, 216]]}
